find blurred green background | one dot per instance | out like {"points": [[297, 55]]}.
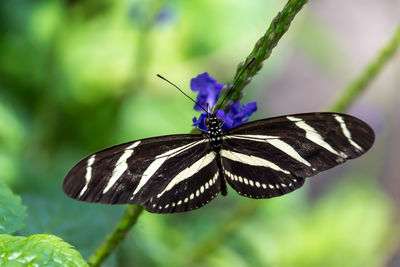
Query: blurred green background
{"points": [[79, 76]]}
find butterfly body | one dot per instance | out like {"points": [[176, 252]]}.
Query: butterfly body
{"points": [[261, 159], [214, 132]]}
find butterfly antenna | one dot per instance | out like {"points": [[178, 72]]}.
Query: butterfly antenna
{"points": [[234, 83], [174, 85]]}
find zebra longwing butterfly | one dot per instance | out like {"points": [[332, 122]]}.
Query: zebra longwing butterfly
{"points": [[261, 159]]}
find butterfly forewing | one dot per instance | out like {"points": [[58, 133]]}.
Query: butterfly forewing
{"points": [[138, 171], [278, 153]]}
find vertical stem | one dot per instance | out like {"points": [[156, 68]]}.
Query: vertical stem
{"points": [[243, 212], [358, 85], [115, 238]]}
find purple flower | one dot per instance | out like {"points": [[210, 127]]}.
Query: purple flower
{"points": [[237, 114], [208, 88]]}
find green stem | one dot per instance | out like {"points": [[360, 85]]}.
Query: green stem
{"points": [[358, 85], [247, 208], [243, 212], [263, 48], [115, 238]]}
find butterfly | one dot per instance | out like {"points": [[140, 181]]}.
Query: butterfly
{"points": [[260, 159]]}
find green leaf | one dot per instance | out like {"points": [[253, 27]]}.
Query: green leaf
{"points": [[38, 250], [12, 212], [59, 215]]}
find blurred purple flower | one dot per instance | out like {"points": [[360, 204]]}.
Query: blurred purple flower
{"points": [[142, 17], [209, 90], [165, 15]]}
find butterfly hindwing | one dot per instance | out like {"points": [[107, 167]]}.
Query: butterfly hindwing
{"points": [[195, 184], [263, 179], [280, 152]]}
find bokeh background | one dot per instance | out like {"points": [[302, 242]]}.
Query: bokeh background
{"points": [[78, 76]]}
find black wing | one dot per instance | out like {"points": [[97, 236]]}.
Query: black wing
{"points": [[166, 174], [272, 157]]}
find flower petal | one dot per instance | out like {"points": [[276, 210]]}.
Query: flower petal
{"points": [[244, 113], [201, 122], [208, 92], [208, 88], [228, 121]]}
